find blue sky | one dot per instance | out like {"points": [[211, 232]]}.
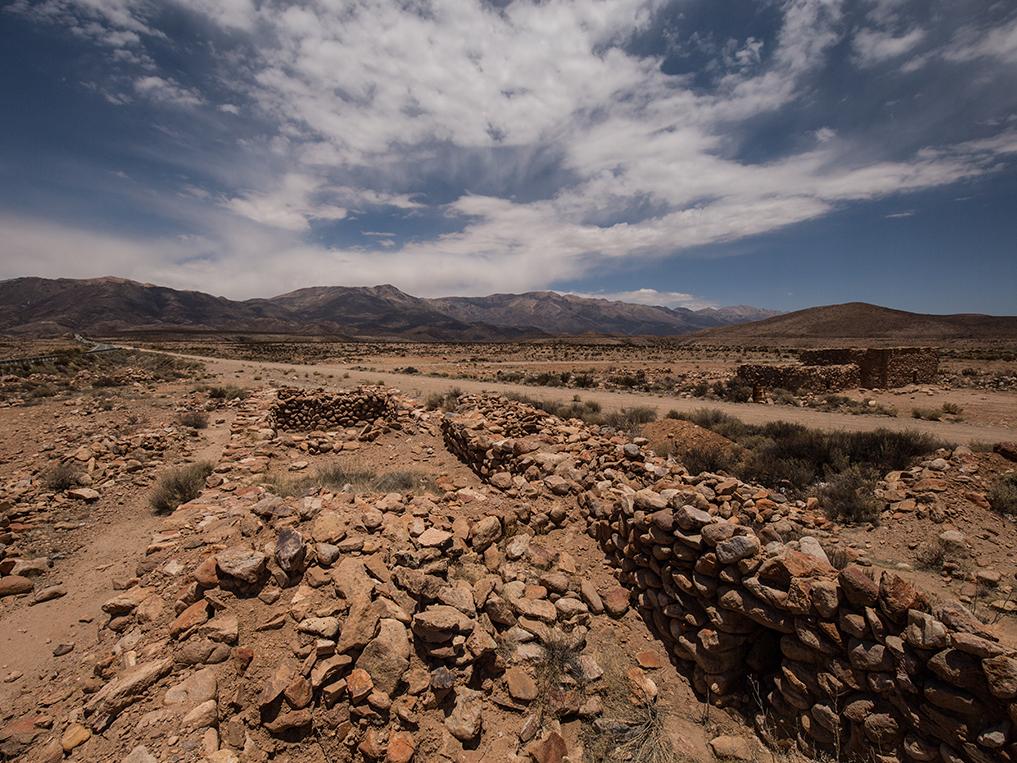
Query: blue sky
{"points": [[691, 152]]}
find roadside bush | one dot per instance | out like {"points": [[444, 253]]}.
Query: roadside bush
{"points": [[194, 419], [1003, 494], [60, 477], [179, 486], [848, 496]]}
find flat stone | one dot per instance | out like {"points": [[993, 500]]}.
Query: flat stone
{"points": [[242, 563], [520, 685]]}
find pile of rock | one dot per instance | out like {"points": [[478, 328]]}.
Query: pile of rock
{"points": [[841, 661], [300, 410], [380, 627]]}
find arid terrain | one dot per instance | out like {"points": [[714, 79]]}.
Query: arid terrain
{"points": [[328, 552]]}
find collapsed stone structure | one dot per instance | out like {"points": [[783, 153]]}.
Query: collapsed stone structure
{"points": [[827, 370], [841, 661], [302, 410]]}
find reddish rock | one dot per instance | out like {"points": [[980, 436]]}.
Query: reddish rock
{"points": [[520, 685], [616, 601], [15, 585], [551, 749], [401, 747], [190, 618]]}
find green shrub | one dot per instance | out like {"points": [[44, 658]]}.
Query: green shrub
{"points": [[848, 496], [179, 486], [1003, 494]]}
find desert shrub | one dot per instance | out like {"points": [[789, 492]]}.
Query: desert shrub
{"points": [[713, 419], [337, 477], [61, 477], [783, 396], [444, 401], [228, 392], [179, 486], [411, 370], [952, 409], [848, 496], [194, 419], [627, 419], [712, 457], [931, 555], [700, 389], [106, 381], [583, 381], [792, 457], [1003, 494]]}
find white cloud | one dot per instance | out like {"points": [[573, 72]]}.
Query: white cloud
{"points": [[971, 43], [166, 91], [647, 296], [874, 46], [361, 95]]}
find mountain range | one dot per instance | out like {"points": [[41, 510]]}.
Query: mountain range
{"points": [[105, 306]]}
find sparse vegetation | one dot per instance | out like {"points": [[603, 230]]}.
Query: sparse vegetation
{"points": [[443, 401], [227, 392], [337, 477], [848, 496], [589, 411], [794, 458], [179, 486], [60, 477], [1003, 494], [194, 419], [938, 414]]}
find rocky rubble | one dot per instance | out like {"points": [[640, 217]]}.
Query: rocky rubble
{"points": [[842, 662], [333, 626]]}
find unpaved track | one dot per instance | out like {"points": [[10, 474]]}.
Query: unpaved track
{"points": [[751, 413], [29, 634]]}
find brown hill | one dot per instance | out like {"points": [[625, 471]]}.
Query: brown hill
{"points": [[856, 321], [105, 306]]}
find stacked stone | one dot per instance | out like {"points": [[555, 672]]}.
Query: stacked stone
{"points": [[299, 410], [840, 661], [799, 378]]}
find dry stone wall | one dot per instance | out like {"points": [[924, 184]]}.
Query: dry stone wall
{"points": [[799, 378], [300, 410], [844, 662]]}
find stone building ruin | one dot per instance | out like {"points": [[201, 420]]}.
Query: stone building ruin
{"points": [[833, 369]]}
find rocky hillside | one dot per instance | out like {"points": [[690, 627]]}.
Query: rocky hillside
{"points": [[47, 307]]}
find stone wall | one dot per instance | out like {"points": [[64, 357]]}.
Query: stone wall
{"points": [[799, 378], [881, 367], [301, 410], [851, 663]]}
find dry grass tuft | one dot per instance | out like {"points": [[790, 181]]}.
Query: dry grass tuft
{"points": [[179, 486]]}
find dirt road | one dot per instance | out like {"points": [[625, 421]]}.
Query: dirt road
{"points": [[752, 413]]}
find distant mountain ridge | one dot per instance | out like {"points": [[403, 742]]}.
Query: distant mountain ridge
{"points": [[42, 306]]}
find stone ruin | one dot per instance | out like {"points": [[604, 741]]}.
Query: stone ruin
{"points": [[832, 369], [853, 663], [302, 410]]}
